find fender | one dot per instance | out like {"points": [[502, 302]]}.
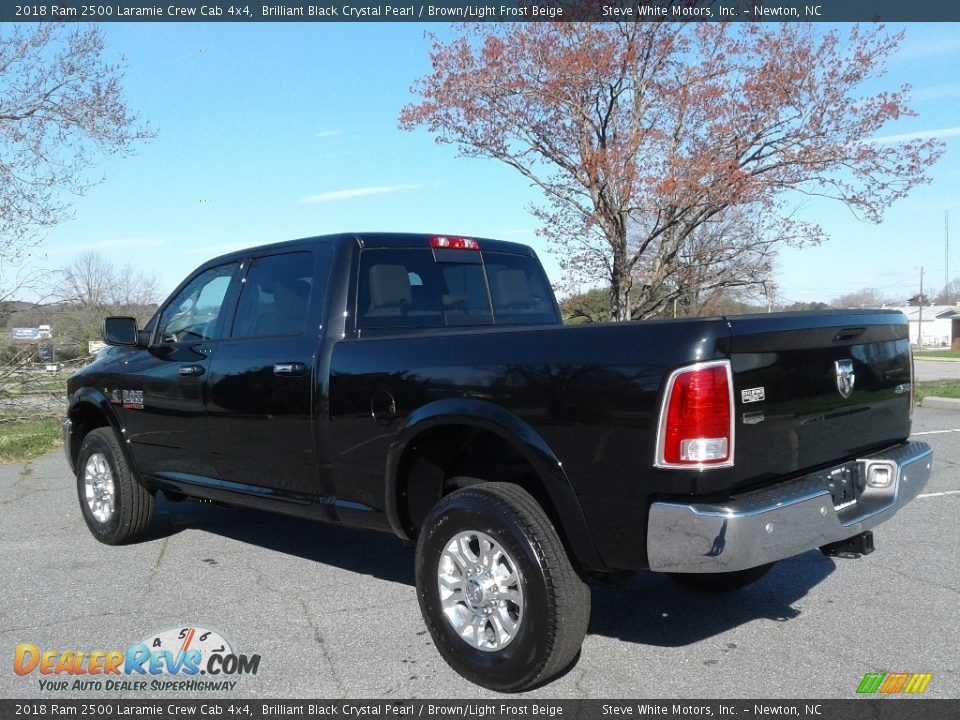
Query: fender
{"points": [[90, 396], [515, 431]]}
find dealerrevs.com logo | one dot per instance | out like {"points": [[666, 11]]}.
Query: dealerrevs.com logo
{"points": [[184, 659]]}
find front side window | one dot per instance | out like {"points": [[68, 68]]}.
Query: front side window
{"points": [[193, 314]]}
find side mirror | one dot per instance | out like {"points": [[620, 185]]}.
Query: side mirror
{"points": [[121, 331]]}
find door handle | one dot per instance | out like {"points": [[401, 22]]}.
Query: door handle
{"points": [[192, 370], [291, 368]]}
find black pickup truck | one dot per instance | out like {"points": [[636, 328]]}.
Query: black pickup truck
{"points": [[423, 385]]}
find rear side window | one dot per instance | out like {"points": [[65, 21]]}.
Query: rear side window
{"points": [[275, 297]]}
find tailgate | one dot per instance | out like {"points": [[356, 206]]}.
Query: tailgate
{"points": [[816, 389]]}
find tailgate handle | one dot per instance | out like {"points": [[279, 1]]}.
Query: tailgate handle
{"points": [[292, 368], [848, 334]]}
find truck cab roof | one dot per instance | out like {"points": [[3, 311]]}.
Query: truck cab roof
{"points": [[374, 240]]}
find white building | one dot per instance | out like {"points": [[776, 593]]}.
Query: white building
{"points": [[941, 325]]}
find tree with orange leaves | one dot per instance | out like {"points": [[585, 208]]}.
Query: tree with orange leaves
{"points": [[648, 138]]}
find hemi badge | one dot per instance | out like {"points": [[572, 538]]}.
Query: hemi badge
{"points": [[752, 395]]}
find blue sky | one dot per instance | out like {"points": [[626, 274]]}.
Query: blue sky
{"points": [[273, 131]]}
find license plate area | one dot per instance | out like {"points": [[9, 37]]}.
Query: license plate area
{"points": [[846, 485]]}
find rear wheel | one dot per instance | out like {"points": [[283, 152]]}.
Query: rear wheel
{"points": [[497, 591], [721, 582], [115, 506]]}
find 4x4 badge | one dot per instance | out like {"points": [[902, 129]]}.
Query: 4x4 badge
{"points": [[845, 377]]}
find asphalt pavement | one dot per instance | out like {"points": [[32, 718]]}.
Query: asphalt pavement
{"points": [[927, 369], [333, 612]]}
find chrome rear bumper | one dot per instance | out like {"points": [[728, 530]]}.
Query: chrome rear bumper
{"points": [[782, 520]]}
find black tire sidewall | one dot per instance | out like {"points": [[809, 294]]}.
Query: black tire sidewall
{"points": [[516, 665], [110, 531]]}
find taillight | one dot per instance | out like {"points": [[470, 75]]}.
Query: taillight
{"points": [[696, 420], [454, 243]]}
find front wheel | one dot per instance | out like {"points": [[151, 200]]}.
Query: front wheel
{"points": [[721, 582], [116, 507], [497, 591]]}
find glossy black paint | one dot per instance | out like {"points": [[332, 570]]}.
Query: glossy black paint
{"points": [[259, 405], [168, 434], [582, 400], [579, 405], [805, 421]]}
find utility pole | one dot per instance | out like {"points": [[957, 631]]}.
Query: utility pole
{"points": [[920, 313], [946, 248]]}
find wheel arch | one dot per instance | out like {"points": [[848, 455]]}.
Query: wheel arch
{"points": [[432, 448], [89, 409]]}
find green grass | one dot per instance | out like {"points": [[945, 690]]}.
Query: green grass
{"points": [[938, 388], [935, 354], [20, 442]]}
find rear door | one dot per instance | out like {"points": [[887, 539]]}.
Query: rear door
{"points": [[261, 387]]}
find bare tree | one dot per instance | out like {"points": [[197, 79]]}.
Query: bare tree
{"points": [[729, 256], [61, 112], [866, 298], [35, 282], [133, 288], [92, 288], [950, 295], [87, 282]]}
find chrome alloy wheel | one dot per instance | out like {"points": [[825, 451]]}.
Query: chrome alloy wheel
{"points": [[99, 488], [480, 591]]}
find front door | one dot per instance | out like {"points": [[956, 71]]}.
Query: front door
{"points": [[164, 407]]}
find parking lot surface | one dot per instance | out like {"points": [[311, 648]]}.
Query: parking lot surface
{"points": [[927, 369], [333, 612]]}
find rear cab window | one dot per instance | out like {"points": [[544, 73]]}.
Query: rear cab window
{"points": [[519, 289], [423, 288]]}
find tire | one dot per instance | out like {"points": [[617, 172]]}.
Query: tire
{"points": [[116, 507], [522, 618], [721, 582]]}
